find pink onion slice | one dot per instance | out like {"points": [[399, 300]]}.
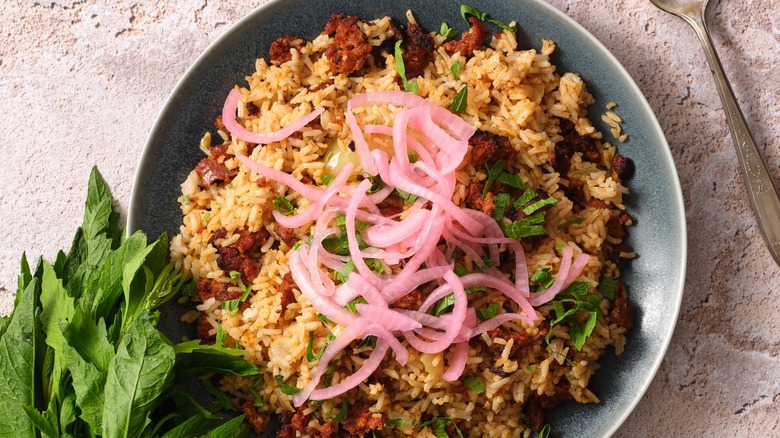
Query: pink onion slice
{"points": [[560, 283], [458, 362], [241, 133]]}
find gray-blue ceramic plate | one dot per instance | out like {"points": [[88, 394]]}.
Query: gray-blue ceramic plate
{"points": [[655, 279]]}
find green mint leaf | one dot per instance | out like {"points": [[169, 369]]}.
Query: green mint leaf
{"points": [[443, 305], [447, 31], [342, 411], [461, 100], [539, 205], [283, 205], [351, 305], [395, 422], [324, 318], [543, 279], [310, 356], [490, 311], [401, 69], [455, 70], [343, 276], [512, 180], [493, 172], [466, 10], [475, 384], [285, 388], [525, 198], [408, 197], [526, 227], [137, 375], [607, 287], [576, 220]]}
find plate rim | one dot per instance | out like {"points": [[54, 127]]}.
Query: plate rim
{"points": [[639, 99]]}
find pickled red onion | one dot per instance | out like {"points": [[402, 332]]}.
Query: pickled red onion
{"points": [[241, 133]]}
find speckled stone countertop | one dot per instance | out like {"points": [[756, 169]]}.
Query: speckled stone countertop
{"points": [[81, 83]]}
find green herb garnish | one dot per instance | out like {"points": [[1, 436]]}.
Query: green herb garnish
{"points": [[351, 305], [324, 318], [443, 305], [493, 172], [539, 205], [220, 336], [327, 378], [475, 384], [512, 180], [576, 220], [344, 274], [525, 198], [342, 411], [395, 422], [285, 388], [283, 205], [461, 100], [439, 426], [526, 227], [607, 287], [447, 31], [234, 274], [543, 279], [399, 67], [545, 432], [466, 10], [566, 310], [408, 197], [326, 179], [501, 201], [310, 356], [455, 70], [490, 311]]}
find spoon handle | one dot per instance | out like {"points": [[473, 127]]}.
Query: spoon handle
{"points": [[761, 190]]}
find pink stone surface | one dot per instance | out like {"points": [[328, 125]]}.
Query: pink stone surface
{"points": [[81, 83]]}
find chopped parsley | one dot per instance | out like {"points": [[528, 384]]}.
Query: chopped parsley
{"points": [[257, 399], [234, 274], [376, 184], [412, 157], [461, 100], [545, 432], [184, 199], [206, 216], [475, 384], [399, 67], [466, 10], [285, 388], [326, 179], [231, 306], [283, 205], [443, 305]]}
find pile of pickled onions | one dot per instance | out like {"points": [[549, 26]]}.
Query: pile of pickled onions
{"points": [[414, 248]]}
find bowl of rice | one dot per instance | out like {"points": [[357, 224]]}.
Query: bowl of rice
{"points": [[427, 219]]}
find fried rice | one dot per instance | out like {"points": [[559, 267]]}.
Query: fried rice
{"points": [[513, 373]]}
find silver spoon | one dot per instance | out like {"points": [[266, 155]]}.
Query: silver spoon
{"points": [[761, 190]]}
